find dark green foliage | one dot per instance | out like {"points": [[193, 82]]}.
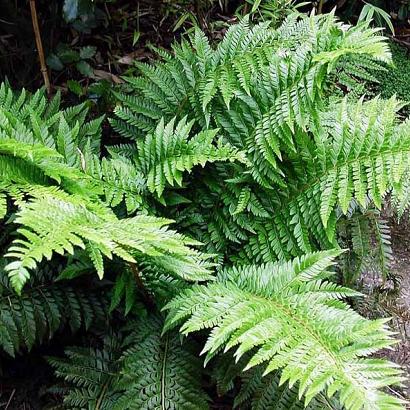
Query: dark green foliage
{"points": [[247, 149], [160, 371], [395, 81], [91, 375], [152, 372], [44, 309]]}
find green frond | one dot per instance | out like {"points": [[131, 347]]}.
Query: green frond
{"points": [[360, 153], [291, 319], [142, 370], [266, 393], [91, 375], [160, 371], [164, 155], [119, 180], [259, 86], [85, 225], [384, 252], [3, 205], [42, 310]]}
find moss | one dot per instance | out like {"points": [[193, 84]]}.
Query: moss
{"points": [[397, 79]]}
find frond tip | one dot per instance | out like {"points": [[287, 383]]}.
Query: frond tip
{"points": [[292, 317], [81, 224], [166, 153]]}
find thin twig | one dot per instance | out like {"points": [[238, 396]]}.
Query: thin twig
{"points": [[39, 44], [320, 7], [10, 399]]}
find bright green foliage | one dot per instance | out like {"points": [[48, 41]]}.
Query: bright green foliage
{"points": [[314, 163], [155, 372], [288, 167], [266, 393], [291, 317], [259, 392], [49, 167], [99, 232], [167, 152], [260, 86], [40, 143], [265, 90]]}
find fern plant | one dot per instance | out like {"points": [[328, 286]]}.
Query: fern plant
{"points": [[45, 308], [64, 203], [292, 318], [66, 212], [313, 160], [245, 146], [154, 371]]}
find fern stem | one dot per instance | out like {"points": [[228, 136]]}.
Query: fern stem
{"points": [[148, 300], [100, 399], [163, 376]]}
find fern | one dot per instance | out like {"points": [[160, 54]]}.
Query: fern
{"points": [[266, 393], [166, 153], [91, 375], [51, 170], [153, 372], [43, 309], [99, 232], [159, 372], [287, 168], [310, 158], [344, 165], [257, 85], [265, 90], [259, 391], [294, 319]]}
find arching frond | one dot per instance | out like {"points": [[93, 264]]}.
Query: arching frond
{"points": [[292, 319], [42, 310], [56, 222], [165, 154], [160, 372]]}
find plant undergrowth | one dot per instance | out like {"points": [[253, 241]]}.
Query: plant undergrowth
{"points": [[233, 220]]}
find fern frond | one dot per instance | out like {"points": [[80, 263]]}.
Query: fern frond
{"points": [[266, 393], [55, 222], [42, 310], [168, 152], [91, 375], [159, 372], [292, 318], [119, 179], [360, 153], [142, 370]]}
